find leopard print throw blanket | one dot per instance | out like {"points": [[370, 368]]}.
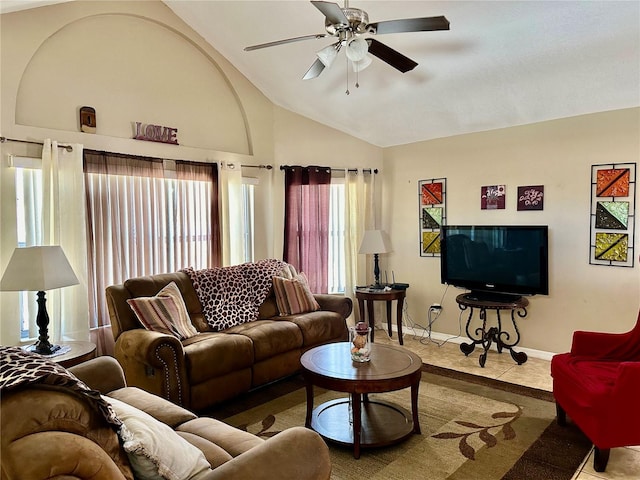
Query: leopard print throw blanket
{"points": [[20, 369], [232, 295]]}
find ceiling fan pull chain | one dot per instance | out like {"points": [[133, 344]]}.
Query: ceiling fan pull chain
{"points": [[347, 92]]}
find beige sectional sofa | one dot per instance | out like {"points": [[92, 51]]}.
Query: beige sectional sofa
{"points": [[211, 367], [51, 431]]}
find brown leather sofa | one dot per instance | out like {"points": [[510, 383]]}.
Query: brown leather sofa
{"points": [[49, 431], [214, 366]]}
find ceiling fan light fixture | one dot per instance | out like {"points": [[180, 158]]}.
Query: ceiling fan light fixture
{"points": [[357, 49], [328, 54], [362, 64]]}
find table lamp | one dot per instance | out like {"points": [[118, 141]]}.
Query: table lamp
{"points": [[376, 242], [38, 269]]}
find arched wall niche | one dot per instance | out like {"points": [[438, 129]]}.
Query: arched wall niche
{"points": [[131, 69]]}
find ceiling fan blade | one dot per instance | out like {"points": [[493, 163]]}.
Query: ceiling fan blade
{"points": [[315, 70], [332, 11], [426, 24], [390, 56], [286, 40]]}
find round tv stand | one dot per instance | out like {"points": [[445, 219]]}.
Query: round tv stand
{"points": [[487, 336]]}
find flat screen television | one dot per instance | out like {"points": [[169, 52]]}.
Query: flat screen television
{"points": [[495, 262]]}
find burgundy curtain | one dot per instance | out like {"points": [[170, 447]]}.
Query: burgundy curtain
{"points": [[306, 223]]}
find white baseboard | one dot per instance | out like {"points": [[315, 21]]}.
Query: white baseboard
{"points": [[440, 337]]}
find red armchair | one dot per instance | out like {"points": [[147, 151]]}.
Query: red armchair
{"points": [[598, 385]]}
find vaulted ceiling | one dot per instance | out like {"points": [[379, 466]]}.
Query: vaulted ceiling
{"points": [[501, 63]]}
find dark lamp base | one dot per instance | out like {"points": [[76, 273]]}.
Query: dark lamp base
{"points": [[45, 348]]}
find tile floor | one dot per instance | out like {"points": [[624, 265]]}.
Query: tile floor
{"points": [[624, 463]]}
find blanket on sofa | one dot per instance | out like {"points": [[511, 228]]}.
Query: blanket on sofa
{"points": [[232, 295], [20, 368]]}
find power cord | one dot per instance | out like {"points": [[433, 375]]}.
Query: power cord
{"points": [[439, 344]]}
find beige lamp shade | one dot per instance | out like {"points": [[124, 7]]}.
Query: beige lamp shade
{"points": [[375, 241], [38, 269]]}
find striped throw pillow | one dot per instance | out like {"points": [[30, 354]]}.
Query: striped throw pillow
{"points": [[166, 312], [293, 295]]}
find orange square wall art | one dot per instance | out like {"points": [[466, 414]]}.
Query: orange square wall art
{"points": [[431, 193], [613, 182]]}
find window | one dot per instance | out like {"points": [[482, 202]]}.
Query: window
{"points": [[337, 263], [146, 216], [248, 219], [28, 180]]}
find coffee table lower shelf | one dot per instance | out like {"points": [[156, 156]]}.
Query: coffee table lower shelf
{"points": [[383, 423]]}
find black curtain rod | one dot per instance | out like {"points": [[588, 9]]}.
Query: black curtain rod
{"points": [[368, 170], [68, 148], [268, 167]]}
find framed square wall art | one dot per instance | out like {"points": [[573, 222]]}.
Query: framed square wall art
{"points": [[612, 225], [531, 197], [493, 197], [432, 206]]}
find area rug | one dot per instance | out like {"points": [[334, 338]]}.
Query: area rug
{"points": [[470, 430]]}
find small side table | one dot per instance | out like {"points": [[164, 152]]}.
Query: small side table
{"points": [[80, 352], [387, 296], [486, 336]]}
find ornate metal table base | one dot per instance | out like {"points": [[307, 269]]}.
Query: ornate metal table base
{"points": [[487, 336]]}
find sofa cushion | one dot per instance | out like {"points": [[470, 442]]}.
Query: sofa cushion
{"points": [[595, 379], [155, 451], [319, 327], [293, 295], [213, 354], [270, 337], [214, 454], [234, 441], [165, 312]]}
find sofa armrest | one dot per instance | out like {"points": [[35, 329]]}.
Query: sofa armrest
{"points": [[335, 303], [294, 454], [159, 408], [154, 362], [102, 373]]}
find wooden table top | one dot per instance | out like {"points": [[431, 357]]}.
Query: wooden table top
{"points": [[387, 295], [390, 368]]}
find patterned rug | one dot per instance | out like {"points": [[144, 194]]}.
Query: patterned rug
{"points": [[470, 430]]}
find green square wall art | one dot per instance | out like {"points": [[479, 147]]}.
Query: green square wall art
{"points": [[431, 217], [612, 215], [612, 246]]}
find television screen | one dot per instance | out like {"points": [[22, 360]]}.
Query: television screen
{"points": [[486, 259]]}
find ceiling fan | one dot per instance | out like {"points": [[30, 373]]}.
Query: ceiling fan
{"points": [[350, 25]]}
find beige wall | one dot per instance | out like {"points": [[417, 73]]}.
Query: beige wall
{"points": [[557, 154], [137, 61], [42, 90]]}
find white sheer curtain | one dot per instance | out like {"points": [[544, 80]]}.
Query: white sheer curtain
{"points": [[231, 215], [64, 224], [359, 216]]}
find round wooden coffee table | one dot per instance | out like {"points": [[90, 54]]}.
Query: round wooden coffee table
{"points": [[356, 420]]}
